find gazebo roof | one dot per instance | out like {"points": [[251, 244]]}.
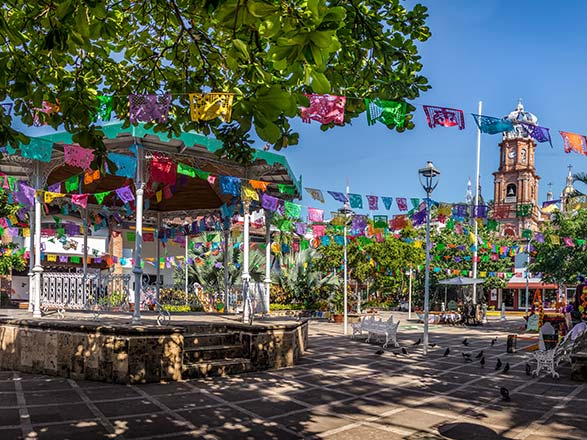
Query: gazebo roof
{"points": [[194, 195]]}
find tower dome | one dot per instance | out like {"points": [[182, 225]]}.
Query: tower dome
{"points": [[520, 115]]}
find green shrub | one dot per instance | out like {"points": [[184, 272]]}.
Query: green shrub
{"points": [[172, 296]]}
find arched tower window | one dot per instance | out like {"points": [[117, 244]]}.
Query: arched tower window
{"points": [[510, 192]]}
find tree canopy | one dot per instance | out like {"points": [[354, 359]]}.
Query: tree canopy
{"points": [[559, 263], [267, 52]]}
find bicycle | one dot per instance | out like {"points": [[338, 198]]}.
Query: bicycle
{"points": [[149, 298]]}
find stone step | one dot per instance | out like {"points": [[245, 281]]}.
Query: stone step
{"points": [[209, 339], [204, 328], [212, 352], [220, 367]]}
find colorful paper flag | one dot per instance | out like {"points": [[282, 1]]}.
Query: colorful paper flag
{"points": [[149, 108], [208, 106], [444, 117], [316, 194], [387, 112], [491, 125], [325, 109]]}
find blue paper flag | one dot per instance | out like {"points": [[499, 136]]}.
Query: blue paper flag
{"points": [[230, 185], [126, 165], [491, 125]]}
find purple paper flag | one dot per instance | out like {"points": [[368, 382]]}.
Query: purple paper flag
{"points": [[301, 228], [373, 202], [269, 202], [480, 211], [419, 218], [338, 196], [25, 194], [459, 210], [359, 223], [125, 194], [148, 108], [55, 188]]}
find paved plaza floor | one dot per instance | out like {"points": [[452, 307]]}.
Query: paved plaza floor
{"points": [[341, 389]]}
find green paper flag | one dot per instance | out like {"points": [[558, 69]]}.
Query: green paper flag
{"points": [[284, 225], [74, 259], [304, 244], [202, 174], [450, 224], [527, 233], [72, 184], [101, 196], [186, 170], [292, 209], [380, 221], [131, 236], [387, 112], [286, 189]]}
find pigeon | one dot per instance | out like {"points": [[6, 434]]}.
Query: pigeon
{"points": [[528, 369], [404, 351], [465, 342], [480, 355], [498, 365], [482, 362], [493, 341], [446, 352], [506, 368], [379, 352], [418, 342], [432, 345], [505, 394], [467, 357]]}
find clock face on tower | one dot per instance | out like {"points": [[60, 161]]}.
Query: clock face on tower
{"points": [[512, 154], [523, 156]]}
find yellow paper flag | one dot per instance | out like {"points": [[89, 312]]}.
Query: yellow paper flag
{"points": [[208, 106], [50, 196]]}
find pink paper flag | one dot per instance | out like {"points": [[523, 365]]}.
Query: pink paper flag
{"points": [[568, 241], [211, 179], [402, 203], [373, 202], [80, 199], [325, 109], [77, 156], [318, 230], [315, 215]]}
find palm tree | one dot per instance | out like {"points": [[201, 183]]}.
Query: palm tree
{"points": [[299, 281], [207, 268]]}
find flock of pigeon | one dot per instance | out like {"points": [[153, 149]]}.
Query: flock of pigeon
{"points": [[468, 357]]}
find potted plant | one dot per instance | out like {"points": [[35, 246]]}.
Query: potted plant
{"points": [[337, 302]]}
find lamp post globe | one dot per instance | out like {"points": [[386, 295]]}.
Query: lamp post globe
{"points": [[429, 177]]}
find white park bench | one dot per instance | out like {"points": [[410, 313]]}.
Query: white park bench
{"points": [[548, 360], [377, 328]]}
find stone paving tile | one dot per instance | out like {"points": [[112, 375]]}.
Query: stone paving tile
{"points": [[271, 407], [53, 384], [9, 416], [188, 401], [412, 419], [147, 425], [207, 418], [59, 413], [311, 422], [251, 431], [51, 397], [7, 385], [110, 393], [7, 400], [89, 430], [11, 433], [155, 389], [365, 432], [319, 396], [127, 407], [361, 408]]}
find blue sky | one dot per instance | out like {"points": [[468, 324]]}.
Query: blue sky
{"points": [[495, 51]]}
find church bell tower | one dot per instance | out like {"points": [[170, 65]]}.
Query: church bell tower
{"points": [[516, 181]]}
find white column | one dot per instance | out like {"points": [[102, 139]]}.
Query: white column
{"points": [[346, 280], [38, 268], [476, 204], [246, 275], [137, 269], [410, 294], [187, 245], [267, 261], [85, 251], [226, 274], [158, 258], [31, 258]]}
